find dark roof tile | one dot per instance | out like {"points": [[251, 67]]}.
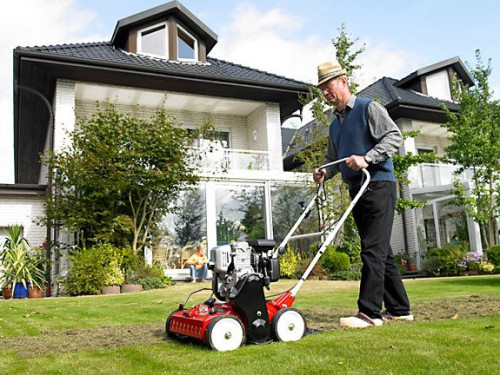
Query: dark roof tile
{"points": [[104, 53]]}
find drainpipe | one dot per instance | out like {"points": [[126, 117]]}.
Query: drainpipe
{"points": [[48, 249]]}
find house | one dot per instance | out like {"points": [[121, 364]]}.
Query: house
{"points": [[160, 58], [414, 103]]}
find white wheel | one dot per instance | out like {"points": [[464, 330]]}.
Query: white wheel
{"points": [[289, 325], [225, 333]]}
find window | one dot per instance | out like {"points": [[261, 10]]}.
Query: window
{"points": [[240, 211], [187, 46], [438, 85], [153, 40]]}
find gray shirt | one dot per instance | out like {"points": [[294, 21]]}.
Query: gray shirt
{"points": [[384, 131]]}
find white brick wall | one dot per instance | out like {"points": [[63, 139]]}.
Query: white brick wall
{"points": [[23, 210], [397, 238], [265, 122], [64, 112]]}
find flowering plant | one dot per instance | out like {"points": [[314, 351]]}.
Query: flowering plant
{"points": [[471, 262]]}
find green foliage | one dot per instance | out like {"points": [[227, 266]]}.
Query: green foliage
{"points": [[402, 260], [189, 217], [334, 261], [350, 242], [19, 263], [402, 163], [493, 255], [147, 271], [475, 146], [348, 275], [116, 179], [93, 268], [289, 263], [87, 274], [444, 261], [343, 44], [114, 275], [149, 283]]}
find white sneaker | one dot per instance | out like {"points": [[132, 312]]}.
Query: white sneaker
{"points": [[360, 321], [386, 315]]}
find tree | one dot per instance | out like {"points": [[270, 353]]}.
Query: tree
{"points": [[119, 173], [189, 218], [346, 57], [475, 146]]}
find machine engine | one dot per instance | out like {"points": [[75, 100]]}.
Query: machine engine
{"points": [[233, 264]]}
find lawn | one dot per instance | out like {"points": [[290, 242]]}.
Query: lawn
{"points": [[456, 331]]}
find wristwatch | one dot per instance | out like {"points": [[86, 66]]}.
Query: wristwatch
{"points": [[368, 159]]}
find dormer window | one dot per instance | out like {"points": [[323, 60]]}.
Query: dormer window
{"points": [[153, 40], [438, 85], [187, 45]]}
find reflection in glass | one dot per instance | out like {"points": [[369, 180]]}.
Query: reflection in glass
{"points": [[288, 202], [240, 213], [154, 41]]}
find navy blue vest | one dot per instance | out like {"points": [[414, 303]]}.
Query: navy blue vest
{"points": [[352, 137]]}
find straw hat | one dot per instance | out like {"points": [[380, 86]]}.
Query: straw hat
{"points": [[329, 70]]}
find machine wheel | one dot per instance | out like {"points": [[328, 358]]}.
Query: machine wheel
{"points": [[288, 325], [225, 332], [170, 334]]}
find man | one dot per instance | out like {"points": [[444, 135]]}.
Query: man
{"points": [[198, 264], [363, 132]]}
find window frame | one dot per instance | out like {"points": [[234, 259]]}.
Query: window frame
{"points": [[145, 29], [195, 40]]}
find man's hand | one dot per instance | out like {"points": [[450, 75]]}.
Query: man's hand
{"points": [[356, 162], [319, 175]]}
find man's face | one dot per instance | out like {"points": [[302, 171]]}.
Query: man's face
{"points": [[333, 91]]}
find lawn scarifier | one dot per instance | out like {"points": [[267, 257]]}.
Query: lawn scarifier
{"points": [[241, 272]]}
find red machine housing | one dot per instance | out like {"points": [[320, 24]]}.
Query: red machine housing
{"points": [[194, 322]]}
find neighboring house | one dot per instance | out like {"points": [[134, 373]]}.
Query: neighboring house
{"points": [[159, 58], [414, 102]]}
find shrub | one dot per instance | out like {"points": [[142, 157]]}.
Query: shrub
{"points": [[348, 275], [493, 255], [289, 263], [87, 274], [151, 283], [92, 268], [146, 271], [334, 261], [445, 261]]}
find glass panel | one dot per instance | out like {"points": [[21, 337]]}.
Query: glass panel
{"points": [[185, 226], [154, 41], [185, 46], [288, 202], [240, 213]]}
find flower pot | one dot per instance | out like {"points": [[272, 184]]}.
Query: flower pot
{"points": [[35, 292], [21, 291], [7, 292], [130, 288], [111, 289]]}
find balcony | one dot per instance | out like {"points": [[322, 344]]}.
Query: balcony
{"points": [[428, 175], [224, 159]]}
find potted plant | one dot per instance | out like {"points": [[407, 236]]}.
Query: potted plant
{"points": [[20, 268], [113, 279], [130, 284]]}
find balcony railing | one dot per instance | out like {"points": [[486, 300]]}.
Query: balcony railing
{"points": [[230, 159], [432, 175]]}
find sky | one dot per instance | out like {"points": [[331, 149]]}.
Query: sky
{"points": [[285, 37]]}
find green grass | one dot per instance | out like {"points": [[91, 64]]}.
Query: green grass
{"points": [[67, 334]]}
